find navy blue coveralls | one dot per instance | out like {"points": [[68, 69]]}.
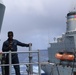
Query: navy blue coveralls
{"points": [[14, 56]]}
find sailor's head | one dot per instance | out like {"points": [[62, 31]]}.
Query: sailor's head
{"points": [[10, 35]]}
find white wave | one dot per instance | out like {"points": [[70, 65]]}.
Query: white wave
{"points": [[36, 70]]}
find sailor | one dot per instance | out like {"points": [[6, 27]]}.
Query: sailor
{"points": [[11, 44]]}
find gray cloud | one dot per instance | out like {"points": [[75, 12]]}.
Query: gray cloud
{"points": [[35, 21]]}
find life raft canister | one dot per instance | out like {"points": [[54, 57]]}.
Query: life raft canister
{"points": [[65, 56]]}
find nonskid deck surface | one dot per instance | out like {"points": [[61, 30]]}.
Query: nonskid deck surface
{"points": [[24, 72], [27, 74]]}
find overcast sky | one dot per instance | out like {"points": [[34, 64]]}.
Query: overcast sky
{"points": [[35, 21]]}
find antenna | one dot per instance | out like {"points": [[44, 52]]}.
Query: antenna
{"points": [[48, 38], [54, 39], [73, 6]]}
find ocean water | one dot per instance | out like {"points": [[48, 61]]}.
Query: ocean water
{"points": [[24, 58]]}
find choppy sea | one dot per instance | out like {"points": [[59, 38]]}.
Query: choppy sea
{"points": [[24, 58]]}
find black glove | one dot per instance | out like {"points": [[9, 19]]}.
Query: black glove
{"points": [[30, 44]]}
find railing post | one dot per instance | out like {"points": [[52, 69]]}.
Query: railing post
{"points": [[30, 61], [9, 62], [39, 67]]}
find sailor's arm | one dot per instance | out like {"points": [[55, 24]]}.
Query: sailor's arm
{"points": [[23, 44]]}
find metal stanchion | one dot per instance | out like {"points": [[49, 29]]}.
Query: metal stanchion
{"points": [[39, 62], [30, 61], [9, 62]]}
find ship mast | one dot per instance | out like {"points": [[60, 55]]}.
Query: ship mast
{"points": [[2, 10]]}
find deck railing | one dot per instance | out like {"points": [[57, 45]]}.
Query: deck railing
{"points": [[30, 67]]}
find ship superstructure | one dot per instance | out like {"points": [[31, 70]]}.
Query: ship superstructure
{"points": [[67, 42], [63, 44]]}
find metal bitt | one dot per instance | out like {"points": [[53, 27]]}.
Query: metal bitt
{"points": [[30, 69]]}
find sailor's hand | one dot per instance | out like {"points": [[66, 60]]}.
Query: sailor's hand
{"points": [[10, 47], [30, 44]]}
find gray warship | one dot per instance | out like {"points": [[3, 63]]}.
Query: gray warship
{"points": [[66, 43]]}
